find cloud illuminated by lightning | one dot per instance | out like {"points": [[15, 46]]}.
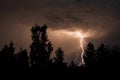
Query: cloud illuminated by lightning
{"points": [[79, 60]]}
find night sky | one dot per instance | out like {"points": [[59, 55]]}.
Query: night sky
{"points": [[100, 17]]}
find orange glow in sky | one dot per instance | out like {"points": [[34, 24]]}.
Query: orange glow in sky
{"points": [[79, 60]]}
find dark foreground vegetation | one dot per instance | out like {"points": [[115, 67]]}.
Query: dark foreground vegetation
{"points": [[101, 63]]}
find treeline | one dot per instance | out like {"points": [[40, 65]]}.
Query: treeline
{"points": [[104, 58]]}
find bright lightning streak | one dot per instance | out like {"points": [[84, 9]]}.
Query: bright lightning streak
{"points": [[82, 42], [82, 48]]}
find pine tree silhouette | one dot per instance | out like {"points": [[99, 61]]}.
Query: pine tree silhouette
{"points": [[102, 54], [90, 55], [59, 58]]}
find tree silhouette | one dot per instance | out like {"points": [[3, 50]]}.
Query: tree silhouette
{"points": [[41, 47], [59, 57], [72, 64], [3, 56], [114, 58], [102, 54], [22, 59], [90, 55], [7, 58]]}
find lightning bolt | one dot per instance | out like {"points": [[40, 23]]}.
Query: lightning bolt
{"points": [[80, 53], [82, 49]]}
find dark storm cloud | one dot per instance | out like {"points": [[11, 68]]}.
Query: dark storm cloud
{"points": [[83, 14], [55, 19], [74, 19]]}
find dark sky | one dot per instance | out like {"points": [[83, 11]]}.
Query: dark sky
{"points": [[99, 16]]}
